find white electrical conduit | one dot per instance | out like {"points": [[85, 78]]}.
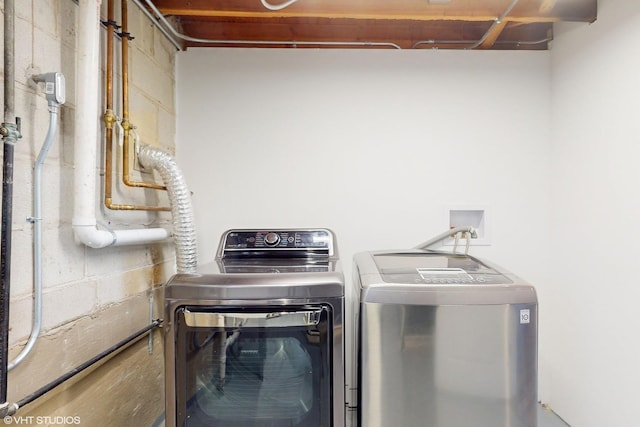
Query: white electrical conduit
{"points": [[475, 44], [36, 219], [148, 14], [495, 23], [86, 141], [503, 42], [173, 31]]}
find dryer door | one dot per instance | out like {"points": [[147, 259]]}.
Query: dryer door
{"points": [[261, 367]]}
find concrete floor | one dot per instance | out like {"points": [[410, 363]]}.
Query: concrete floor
{"points": [[546, 418]]}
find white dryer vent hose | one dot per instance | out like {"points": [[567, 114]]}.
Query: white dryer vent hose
{"points": [[184, 233]]}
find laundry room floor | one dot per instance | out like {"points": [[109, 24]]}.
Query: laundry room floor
{"points": [[546, 418]]}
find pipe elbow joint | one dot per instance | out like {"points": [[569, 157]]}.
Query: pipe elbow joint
{"points": [[89, 235]]}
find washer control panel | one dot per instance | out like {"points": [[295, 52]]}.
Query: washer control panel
{"points": [[450, 276], [288, 242]]}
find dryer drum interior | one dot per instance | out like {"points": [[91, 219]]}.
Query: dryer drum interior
{"points": [[246, 372]]}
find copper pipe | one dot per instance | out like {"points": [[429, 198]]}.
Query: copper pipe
{"points": [[109, 204], [126, 124], [110, 119]]}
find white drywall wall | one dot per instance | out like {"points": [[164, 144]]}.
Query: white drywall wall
{"points": [[594, 347], [372, 144]]}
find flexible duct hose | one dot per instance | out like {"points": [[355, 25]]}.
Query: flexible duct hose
{"points": [[184, 233]]}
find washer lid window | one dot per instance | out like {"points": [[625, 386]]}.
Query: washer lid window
{"points": [[436, 269]]}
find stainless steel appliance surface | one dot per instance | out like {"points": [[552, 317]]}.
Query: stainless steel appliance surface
{"points": [[256, 338], [444, 340]]}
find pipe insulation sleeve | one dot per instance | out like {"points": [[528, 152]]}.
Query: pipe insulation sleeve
{"points": [[184, 234]]}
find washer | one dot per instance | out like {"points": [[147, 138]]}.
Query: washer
{"points": [[444, 340], [255, 338]]}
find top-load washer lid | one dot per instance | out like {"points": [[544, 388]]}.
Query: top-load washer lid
{"points": [[419, 277], [433, 269]]}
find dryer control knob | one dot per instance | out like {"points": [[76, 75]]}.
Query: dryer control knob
{"points": [[272, 239]]}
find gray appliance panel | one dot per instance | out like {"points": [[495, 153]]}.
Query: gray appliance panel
{"points": [[255, 286], [448, 366]]}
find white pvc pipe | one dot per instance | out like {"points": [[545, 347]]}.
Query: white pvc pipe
{"points": [[87, 117], [94, 238]]}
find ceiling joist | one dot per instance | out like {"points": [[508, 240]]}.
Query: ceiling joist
{"points": [[527, 24]]}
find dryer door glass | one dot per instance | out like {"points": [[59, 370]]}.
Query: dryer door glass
{"points": [[267, 367]]}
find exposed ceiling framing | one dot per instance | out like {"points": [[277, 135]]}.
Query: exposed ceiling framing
{"points": [[405, 24]]}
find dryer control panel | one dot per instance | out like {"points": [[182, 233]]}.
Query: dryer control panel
{"points": [[288, 243]]}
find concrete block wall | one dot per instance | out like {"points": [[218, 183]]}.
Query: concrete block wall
{"points": [[92, 297]]}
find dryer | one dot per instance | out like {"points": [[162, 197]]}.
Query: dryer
{"points": [[255, 338]]}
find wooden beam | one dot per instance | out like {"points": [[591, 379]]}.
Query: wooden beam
{"points": [[456, 10], [326, 15], [493, 35], [433, 34], [457, 24]]}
